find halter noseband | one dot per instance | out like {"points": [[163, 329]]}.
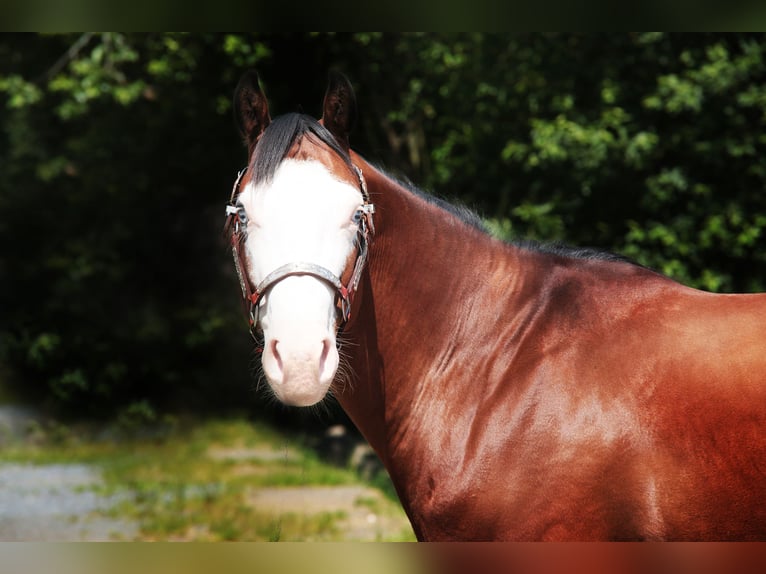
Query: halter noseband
{"points": [[252, 295]]}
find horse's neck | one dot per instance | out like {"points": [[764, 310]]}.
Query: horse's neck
{"points": [[422, 285]]}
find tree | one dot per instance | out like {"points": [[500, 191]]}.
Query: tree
{"points": [[118, 153]]}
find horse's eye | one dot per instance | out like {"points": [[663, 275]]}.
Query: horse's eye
{"points": [[357, 218], [242, 215]]}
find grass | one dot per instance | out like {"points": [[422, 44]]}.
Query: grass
{"points": [[197, 480]]}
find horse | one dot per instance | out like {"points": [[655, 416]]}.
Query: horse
{"points": [[513, 391]]}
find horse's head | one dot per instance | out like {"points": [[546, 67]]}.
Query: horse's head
{"points": [[301, 219]]}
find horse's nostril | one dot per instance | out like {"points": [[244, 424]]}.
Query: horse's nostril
{"points": [[274, 347], [326, 346]]}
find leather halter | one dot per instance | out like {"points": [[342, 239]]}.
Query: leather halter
{"points": [[252, 295]]}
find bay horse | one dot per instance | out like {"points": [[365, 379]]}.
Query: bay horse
{"points": [[512, 391]]}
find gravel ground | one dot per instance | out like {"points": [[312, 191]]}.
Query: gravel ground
{"points": [[56, 502], [51, 502]]}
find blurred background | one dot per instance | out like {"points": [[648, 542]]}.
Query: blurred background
{"points": [[118, 151]]}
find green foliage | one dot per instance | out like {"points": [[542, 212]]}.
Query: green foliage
{"points": [[20, 93], [118, 152], [96, 74], [111, 222]]}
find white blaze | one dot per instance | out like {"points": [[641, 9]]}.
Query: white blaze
{"points": [[303, 215]]}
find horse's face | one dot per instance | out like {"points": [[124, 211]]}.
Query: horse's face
{"points": [[299, 215], [303, 215]]}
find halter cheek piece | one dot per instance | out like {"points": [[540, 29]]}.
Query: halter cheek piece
{"points": [[252, 295]]}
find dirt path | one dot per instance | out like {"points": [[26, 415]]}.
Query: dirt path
{"points": [[362, 510], [363, 513]]}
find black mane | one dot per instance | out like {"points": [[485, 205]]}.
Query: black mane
{"points": [[471, 218], [563, 250], [279, 137], [463, 213]]}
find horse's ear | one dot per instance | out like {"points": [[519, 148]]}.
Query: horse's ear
{"points": [[339, 108], [251, 109]]}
